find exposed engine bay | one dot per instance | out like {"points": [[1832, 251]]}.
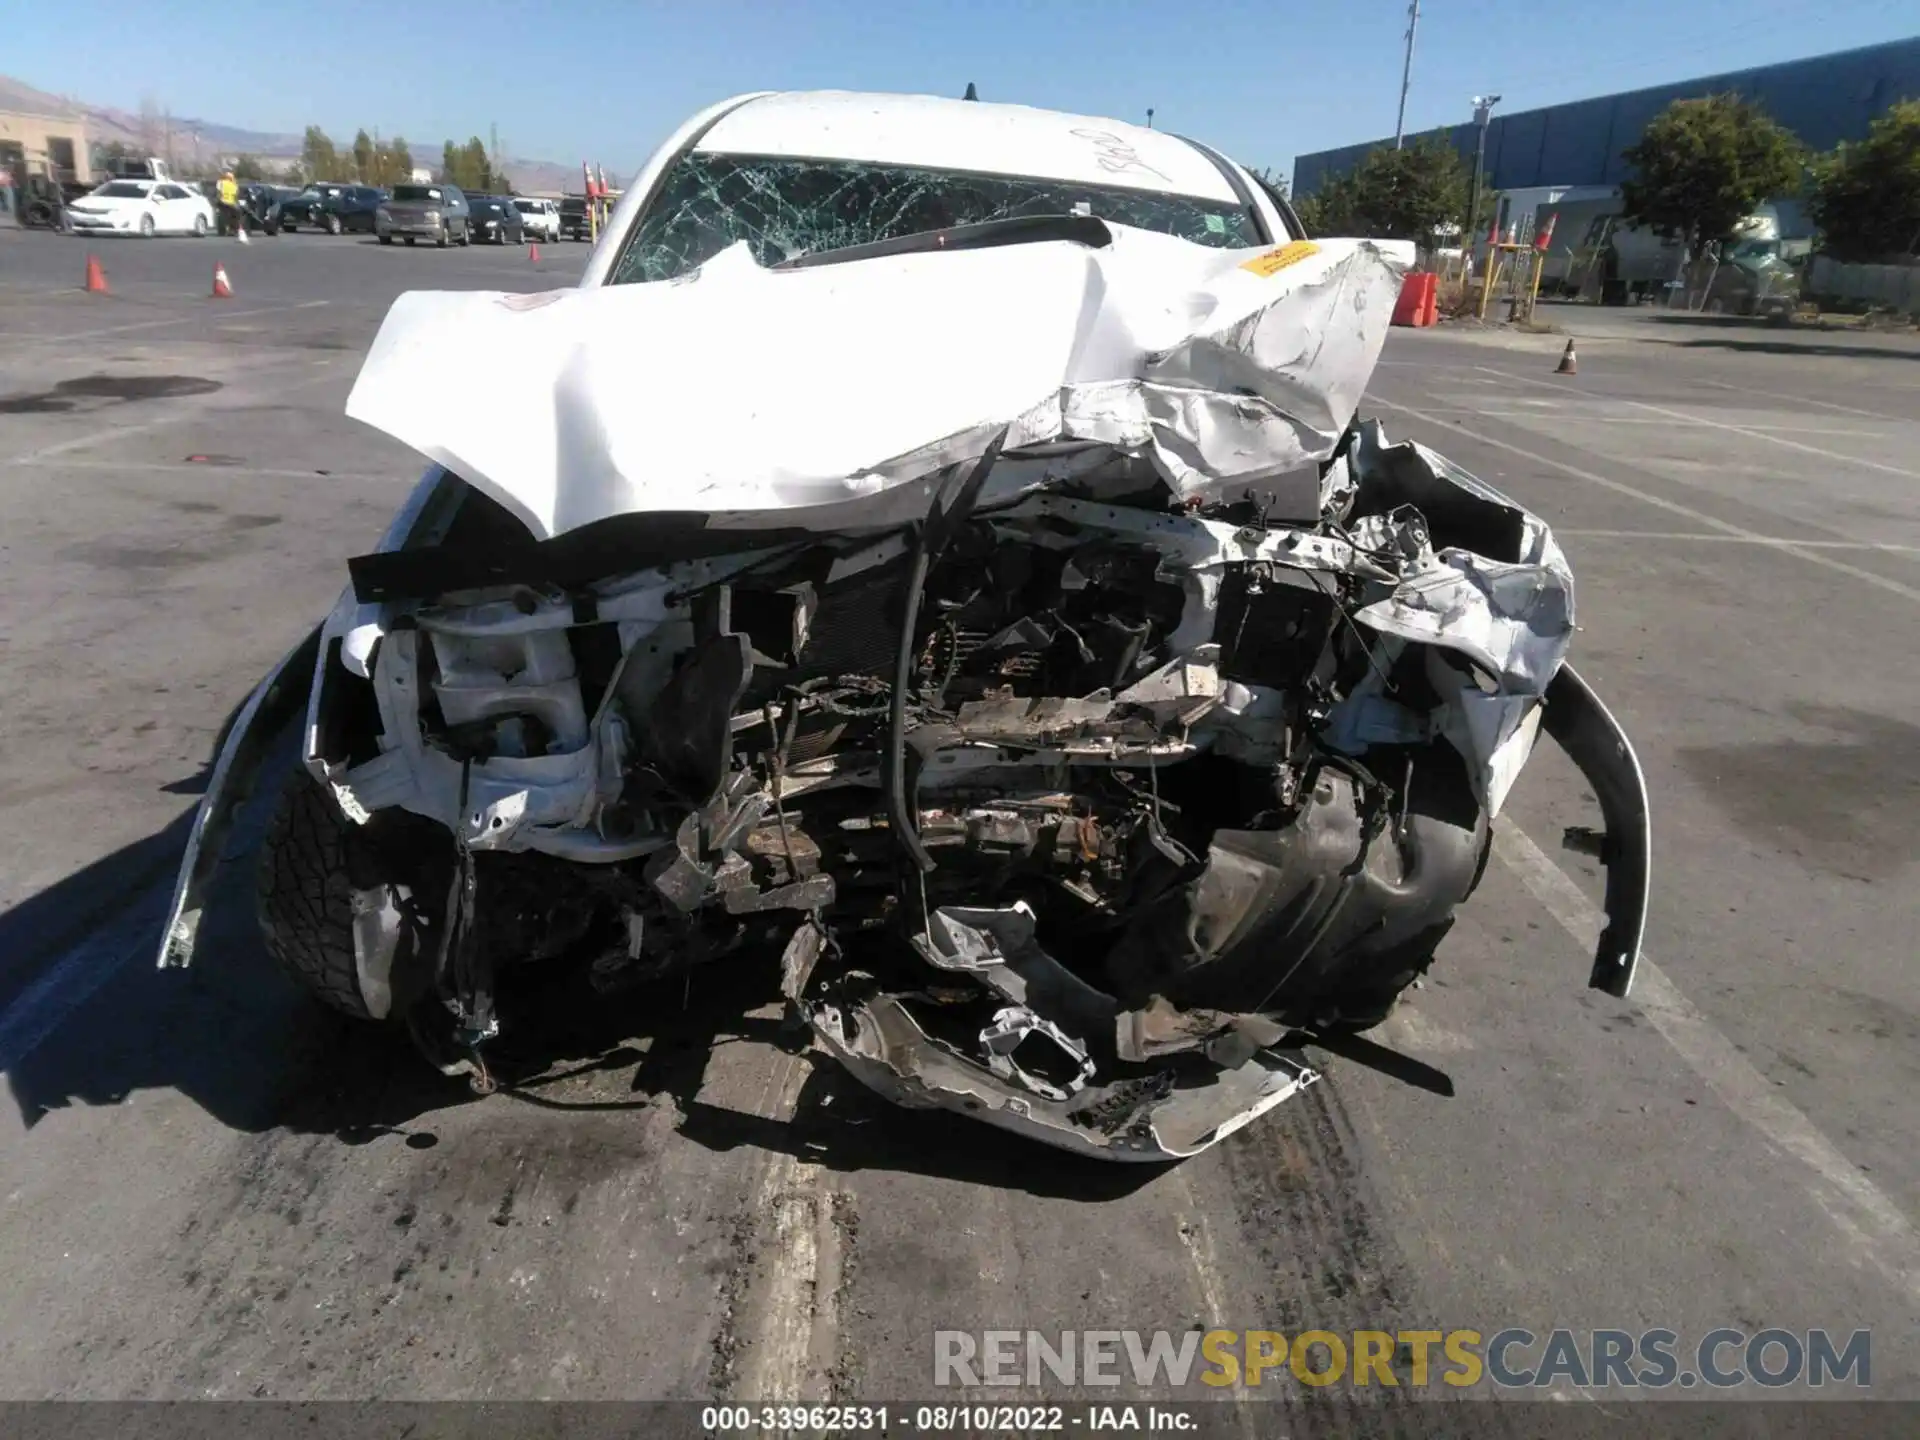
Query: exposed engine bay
{"points": [[1073, 805]]}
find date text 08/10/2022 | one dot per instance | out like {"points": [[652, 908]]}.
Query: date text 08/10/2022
{"points": [[941, 1419]]}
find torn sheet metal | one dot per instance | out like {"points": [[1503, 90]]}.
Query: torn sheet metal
{"points": [[1157, 1083], [1168, 1116], [833, 397], [1511, 615]]}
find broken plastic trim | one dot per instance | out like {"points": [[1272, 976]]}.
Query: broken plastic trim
{"points": [[1582, 726], [1212, 1072], [236, 766]]}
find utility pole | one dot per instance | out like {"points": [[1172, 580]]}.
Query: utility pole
{"points": [[1482, 112], [1406, 72]]}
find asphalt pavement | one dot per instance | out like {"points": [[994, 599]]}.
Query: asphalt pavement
{"points": [[210, 1188]]}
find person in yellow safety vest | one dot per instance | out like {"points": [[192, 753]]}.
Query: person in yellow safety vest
{"points": [[230, 214]]}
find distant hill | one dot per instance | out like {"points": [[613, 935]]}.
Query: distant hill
{"points": [[206, 140]]}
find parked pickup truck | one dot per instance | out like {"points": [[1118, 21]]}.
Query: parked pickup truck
{"points": [[574, 224]]}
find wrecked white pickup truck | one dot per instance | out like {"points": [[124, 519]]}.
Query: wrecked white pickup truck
{"points": [[936, 545]]}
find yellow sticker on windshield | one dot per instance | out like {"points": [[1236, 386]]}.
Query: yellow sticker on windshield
{"points": [[1275, 261]]}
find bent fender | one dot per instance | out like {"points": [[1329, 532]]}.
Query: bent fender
{"points": [[236, 766], [1583, 727]]}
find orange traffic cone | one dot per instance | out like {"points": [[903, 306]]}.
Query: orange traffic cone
{"points": [[1569, 362], [533, 254], [96, 277], [222, 290]]}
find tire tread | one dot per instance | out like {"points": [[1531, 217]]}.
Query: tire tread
{"points": [[304, 896]]}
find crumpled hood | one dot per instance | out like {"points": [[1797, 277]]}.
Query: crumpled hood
{"points": [[833, 397]]}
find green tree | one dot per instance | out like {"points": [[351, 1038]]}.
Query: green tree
{"points": [[248, 167], [473, 157], [1702, 166], [1417, 192], [1331, 210], [318, 159], [363, 169], [1866, 195], [468, 167], [399, 162]]}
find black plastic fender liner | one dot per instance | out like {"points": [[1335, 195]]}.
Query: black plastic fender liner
{"points": [[1583, 727], [236, 767]]}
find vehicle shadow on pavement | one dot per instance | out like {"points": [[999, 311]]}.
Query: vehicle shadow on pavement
{"points": [[658, 1041], [94, 1021], [1762, 337], [89, 1019], [1790, 347]]}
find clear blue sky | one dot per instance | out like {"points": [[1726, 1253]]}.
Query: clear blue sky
{"points": [[572, 79]]}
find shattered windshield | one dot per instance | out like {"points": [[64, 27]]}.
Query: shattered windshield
{"points": [[784, 208]]}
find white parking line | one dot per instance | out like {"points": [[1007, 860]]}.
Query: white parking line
{"points": [[1795, 399], [1660, 502], [1693, 537], [63, 987], [1560, 417], [1750, 431], [1878, 1230], [1753, 434], [792, 1324], [1191, 1226]]}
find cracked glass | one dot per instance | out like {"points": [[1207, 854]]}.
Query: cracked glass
{"points": [[784, 208]]}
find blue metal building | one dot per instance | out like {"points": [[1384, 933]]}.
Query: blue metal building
{"points": [[1823, 100]]}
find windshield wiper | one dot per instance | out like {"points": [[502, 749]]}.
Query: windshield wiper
{"points": [[988, 234]]}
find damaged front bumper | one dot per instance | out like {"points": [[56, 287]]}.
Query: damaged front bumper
{"points": [[1195, 1077], [1078, 805]]}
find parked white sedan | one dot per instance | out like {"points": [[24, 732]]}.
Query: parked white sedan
{"points": [[142, 207]]}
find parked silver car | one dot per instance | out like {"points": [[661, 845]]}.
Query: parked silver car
{"points": [[436, 212]]}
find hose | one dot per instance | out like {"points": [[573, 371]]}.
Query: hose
{"points": [[934, 533]]}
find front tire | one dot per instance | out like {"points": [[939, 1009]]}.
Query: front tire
{"points": [[334, 227], [386, 239], [326, 912], [146, 227], [199, 227]]}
